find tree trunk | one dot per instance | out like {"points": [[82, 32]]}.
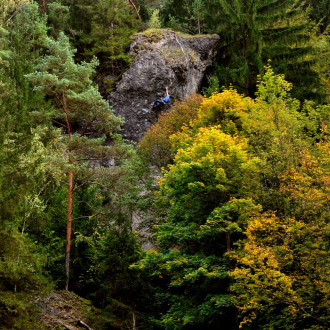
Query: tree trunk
{"points": [[228, 241], [44, 6], [68, 232], [70, 190], [199, 25]]}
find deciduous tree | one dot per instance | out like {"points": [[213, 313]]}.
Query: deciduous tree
{"points": [[203, 219], [281, 279]]}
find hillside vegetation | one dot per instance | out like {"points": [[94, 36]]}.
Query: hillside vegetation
{"points": [[230, 188]]}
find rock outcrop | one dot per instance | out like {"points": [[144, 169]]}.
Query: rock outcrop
{"points": [[160, 58], [64, 310]]}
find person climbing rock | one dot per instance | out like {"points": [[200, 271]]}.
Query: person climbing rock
{"points": [[166, 99]]}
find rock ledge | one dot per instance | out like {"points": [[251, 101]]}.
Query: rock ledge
{"points": [[160, 58]]}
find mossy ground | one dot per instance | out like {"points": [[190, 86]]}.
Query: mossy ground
{"points": [[186, 35], [65, 310], [160, 32], [19, 311], [175, 55]]}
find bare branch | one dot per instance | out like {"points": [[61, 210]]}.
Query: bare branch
{"points": [[85, 325], [87, 126], [82, 217], [99, 184], [132, 3], [81, 185], [80, 159], [68, 327], [57, 122], [93, 208], [88, 216]]}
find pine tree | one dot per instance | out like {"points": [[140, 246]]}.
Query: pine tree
{"points": [[112, 24], [256, 31], [19, 166], [192, 16], [23, 175], [77, 103], [320, 13]]}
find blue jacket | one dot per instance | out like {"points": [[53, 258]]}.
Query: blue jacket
{"points": [[167, 99]]}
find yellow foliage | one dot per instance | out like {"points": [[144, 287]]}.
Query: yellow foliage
{"points": [[225, 109], [211, 148], [309, 184], [282, 263]]}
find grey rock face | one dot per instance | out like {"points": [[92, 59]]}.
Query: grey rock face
{"points": [[160, 58]]}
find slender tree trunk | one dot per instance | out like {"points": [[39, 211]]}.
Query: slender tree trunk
{"points": [[199, 25], [68, 231], [228, 241], [70, 190]]}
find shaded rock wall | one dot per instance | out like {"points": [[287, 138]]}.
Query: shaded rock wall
{"points": [[160, 58]]}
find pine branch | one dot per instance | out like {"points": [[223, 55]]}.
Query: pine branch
{"points": [[132, 3], [88, 216]]}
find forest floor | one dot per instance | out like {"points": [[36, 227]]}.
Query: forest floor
{"points": [[62, 310]]}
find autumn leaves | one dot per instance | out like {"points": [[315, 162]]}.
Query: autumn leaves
{"points": [[246, 193]]}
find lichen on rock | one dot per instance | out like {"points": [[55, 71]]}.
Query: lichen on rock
{"points": [[160, 58]]}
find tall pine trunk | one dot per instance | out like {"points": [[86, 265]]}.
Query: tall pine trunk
{"points": [[57, 76], [68, 231]]}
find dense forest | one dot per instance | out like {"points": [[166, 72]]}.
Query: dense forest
{"points": [[230, 188]]}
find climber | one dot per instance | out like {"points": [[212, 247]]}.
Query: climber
{"points": [[163, 101]]}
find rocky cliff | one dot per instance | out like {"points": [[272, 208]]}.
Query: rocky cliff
{"points": [[160, 58]]}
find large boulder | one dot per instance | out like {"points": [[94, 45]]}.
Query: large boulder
{"points": [[160, 58]]}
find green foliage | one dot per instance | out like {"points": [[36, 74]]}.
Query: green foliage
{"points": [[189, 268], [213, 86], [96, 28], [69, 86], [278, 133], [254, 32], [106, 245], [236, 158], [155, 22], [280, 277], [112, 24], [193, 16], [276, 128], [240, 225], [77, 102], [23, 173], [251, 33], [58, 17], [22, 152], [320, 13], [18, 312]]}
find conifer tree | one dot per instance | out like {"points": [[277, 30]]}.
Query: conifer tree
{"points": [[320, 12], [77, 103], [112, 24], [23, 175], [21, 31], [256, 31], [192, 16]]}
